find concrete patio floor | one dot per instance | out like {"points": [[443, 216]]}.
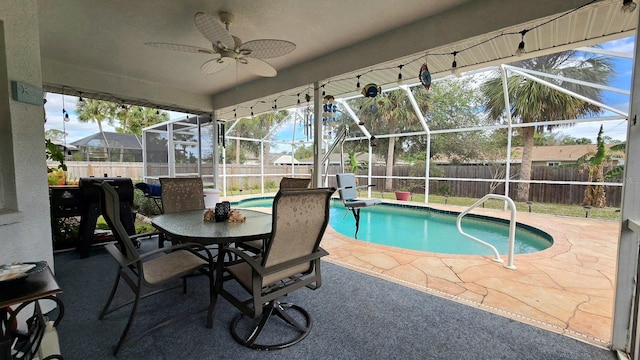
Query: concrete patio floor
{"points": [[567, 288]]}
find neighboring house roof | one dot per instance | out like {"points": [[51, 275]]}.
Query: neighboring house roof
{"points": [[110, 139], [61, 145], [285, 159]]}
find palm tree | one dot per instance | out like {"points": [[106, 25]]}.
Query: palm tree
{"points": [[91, 110], [136, 118], [390, 113], [531, 101]]}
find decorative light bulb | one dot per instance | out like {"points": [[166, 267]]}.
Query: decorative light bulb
{"points": [[520, 49], [454, 64], [628, 6]]}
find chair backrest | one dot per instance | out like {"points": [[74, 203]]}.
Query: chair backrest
{"points": [[294, 183], [347, 186], [110, 203], [300, 218], [181, 194]]}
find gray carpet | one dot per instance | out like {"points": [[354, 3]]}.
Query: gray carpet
{"points": [[356, 316]]}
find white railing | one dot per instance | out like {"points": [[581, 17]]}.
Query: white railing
{"points": [[512, 228]]}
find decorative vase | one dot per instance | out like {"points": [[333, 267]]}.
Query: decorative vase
{"points": [[222, 211]]}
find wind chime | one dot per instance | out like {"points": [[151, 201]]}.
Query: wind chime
{"points": [[221, 135], [307, 117], [425, 75]]}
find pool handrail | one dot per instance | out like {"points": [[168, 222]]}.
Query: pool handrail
{"points": [[512, 228]]}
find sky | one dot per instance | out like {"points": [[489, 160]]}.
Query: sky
{"points": [[615, 129]]}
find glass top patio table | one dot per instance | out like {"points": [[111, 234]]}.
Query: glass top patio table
{"points": [[189, 226]]}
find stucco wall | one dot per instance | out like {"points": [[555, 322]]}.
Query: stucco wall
{"points": [[25, 235]]}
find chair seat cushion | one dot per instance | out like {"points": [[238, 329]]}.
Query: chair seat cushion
{"points": [[171, 265], [361, 203]]}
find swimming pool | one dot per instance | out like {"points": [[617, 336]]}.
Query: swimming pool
{"points": [[427, 229]]}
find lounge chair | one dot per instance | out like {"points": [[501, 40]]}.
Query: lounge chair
{"points": [[349, 195]]}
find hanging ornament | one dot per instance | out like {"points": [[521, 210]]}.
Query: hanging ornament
{"points": [[329, 109], [425, 76], [371, 90]]}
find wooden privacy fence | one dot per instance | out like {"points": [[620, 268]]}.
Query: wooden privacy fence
{"points": [[248, 177], [542, 193]]}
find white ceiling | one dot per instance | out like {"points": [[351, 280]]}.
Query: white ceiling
{"points": [[97, 47]]}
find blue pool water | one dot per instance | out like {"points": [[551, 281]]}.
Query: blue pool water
{"points": [[427, 230]]}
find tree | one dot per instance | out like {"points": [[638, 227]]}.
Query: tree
{"points": [[135, 118], [531, 101], [54, 135], [593, 164], [390, 113], [452, 104], [91, 110], [258, 128]]}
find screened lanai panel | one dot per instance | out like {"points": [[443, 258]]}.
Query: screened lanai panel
{"points": [[185, 149], [156, 154]]}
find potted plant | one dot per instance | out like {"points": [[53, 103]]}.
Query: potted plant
{"points": [[402, 193]]}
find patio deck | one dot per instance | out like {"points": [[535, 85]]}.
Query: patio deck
{"points": [[567, 289]]}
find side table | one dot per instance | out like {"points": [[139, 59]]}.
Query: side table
{"points": [[39, 286]]}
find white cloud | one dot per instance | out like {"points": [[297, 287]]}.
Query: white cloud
{"points": [[624, 45]]}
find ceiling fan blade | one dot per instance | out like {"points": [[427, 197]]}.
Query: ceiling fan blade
{"points": [[257, 67], [267, 48], [180, 47], [214, 65], [213, 30]]}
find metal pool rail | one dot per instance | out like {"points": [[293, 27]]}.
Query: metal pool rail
{"points": [[512, 228]]}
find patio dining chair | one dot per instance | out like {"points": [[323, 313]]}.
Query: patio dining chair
{"points": [[286, 183], [349, 195], [290, 261], [155, 270], [180, 194]]}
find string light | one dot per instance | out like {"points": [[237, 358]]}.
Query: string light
{"points": [[628, 6], [400, 73], [323, 93], [520, 51], [454, 64], [298, 99], [252, 111], [358, 84], [80, 100]]}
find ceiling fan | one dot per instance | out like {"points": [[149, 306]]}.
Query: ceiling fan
{"points": [[230, 48]]}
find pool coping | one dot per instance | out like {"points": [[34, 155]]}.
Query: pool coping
{"points": [[567, 288]]}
